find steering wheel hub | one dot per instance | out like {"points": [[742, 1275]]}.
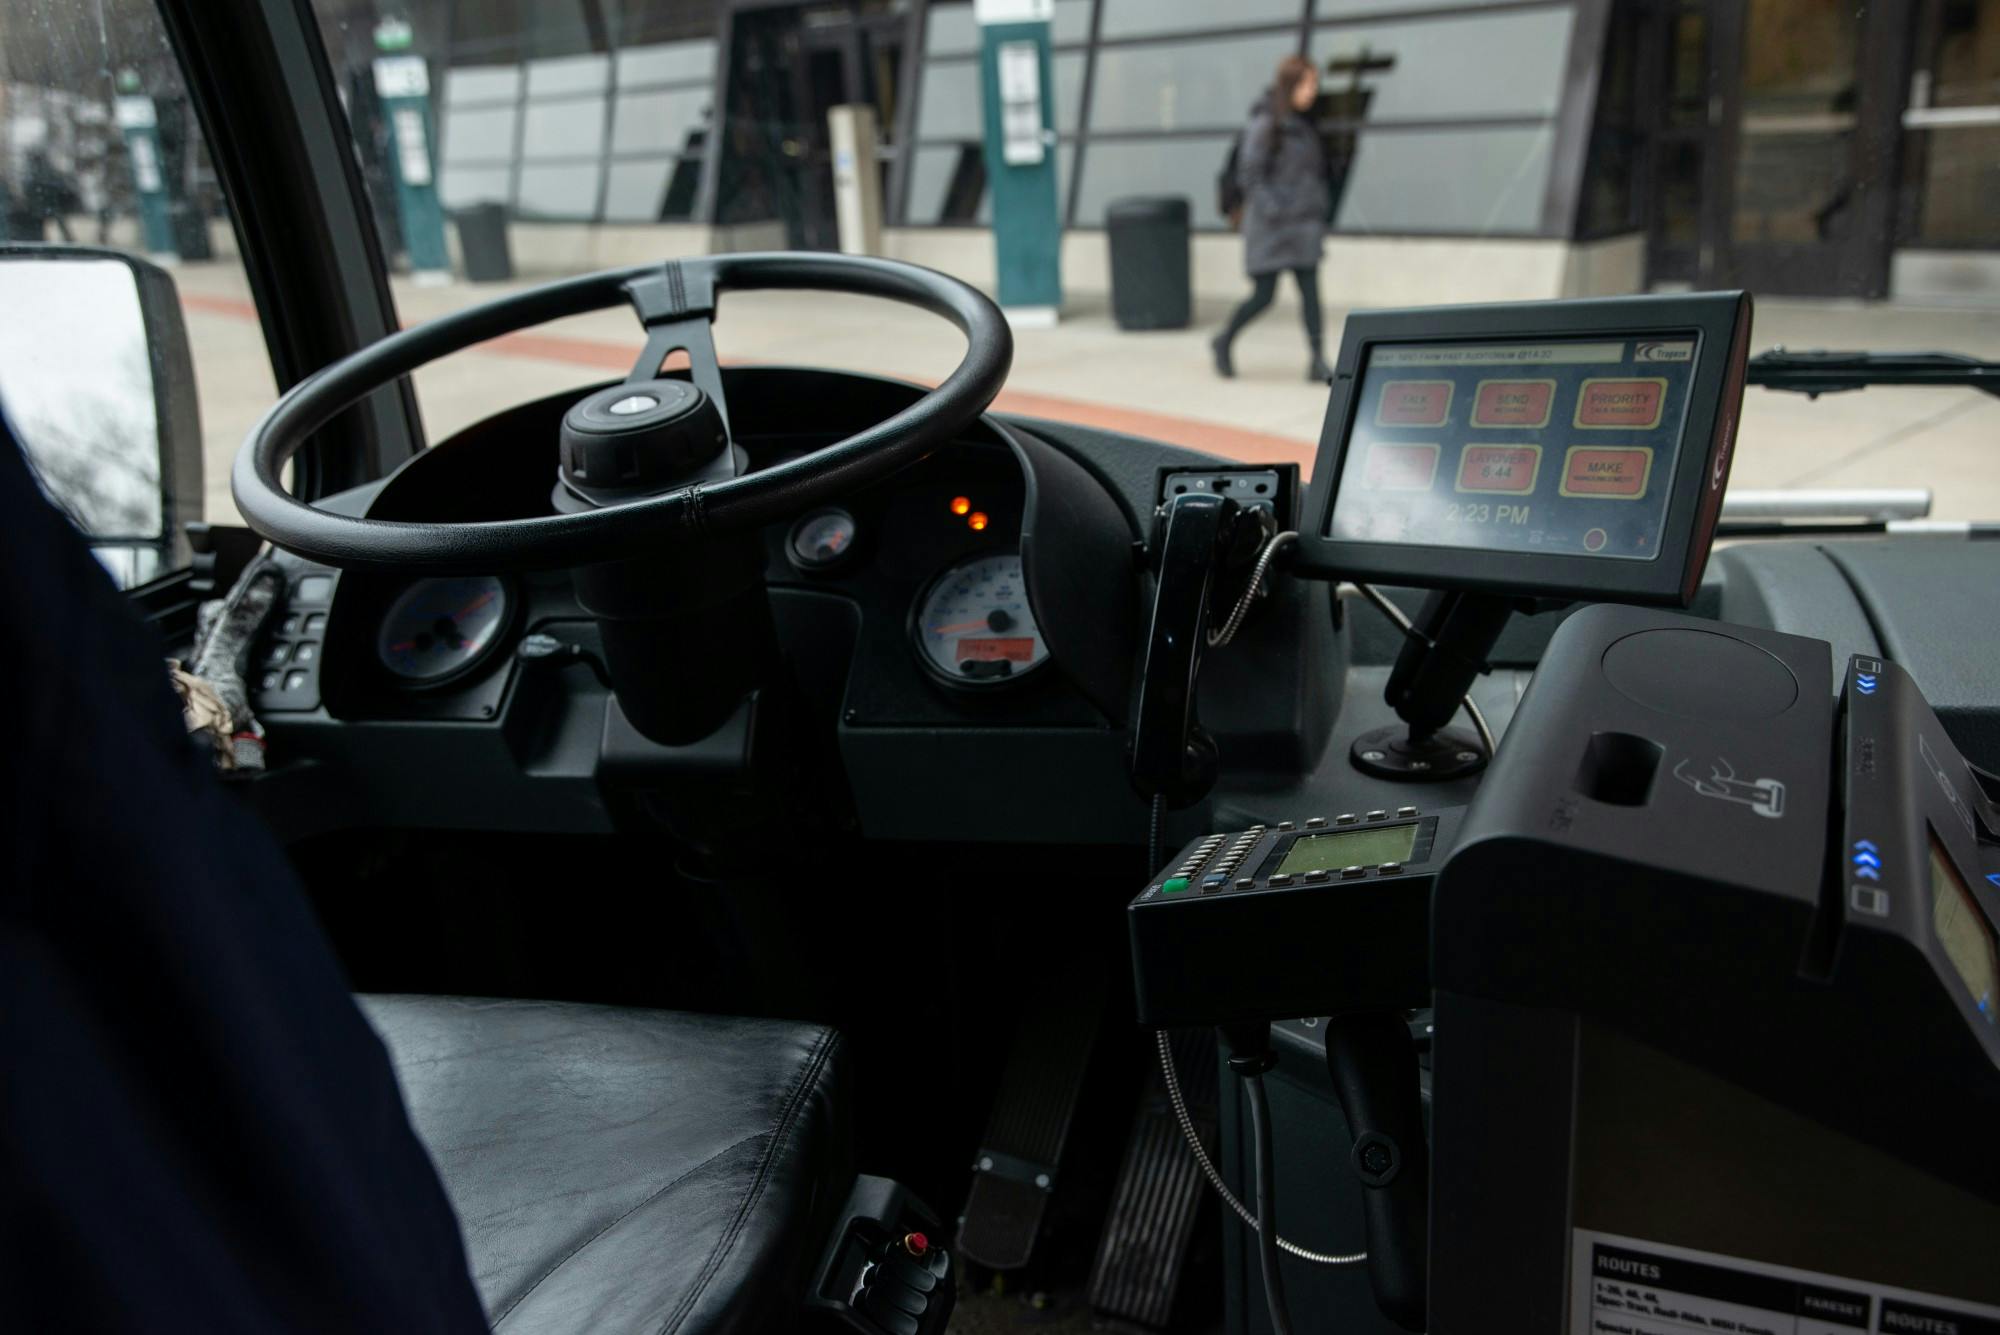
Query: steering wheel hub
{"points": [[641, 439]]}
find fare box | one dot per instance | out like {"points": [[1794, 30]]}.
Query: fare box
{"points": [[1622, 404], [1399, 467], [1607, 474], [1513, 402], [1414, 403], [1509, 470]]}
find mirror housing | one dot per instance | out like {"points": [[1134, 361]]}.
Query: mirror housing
{"points": [[69, 379]]}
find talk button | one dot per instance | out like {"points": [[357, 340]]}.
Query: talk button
{"points": [[1414, 403]]}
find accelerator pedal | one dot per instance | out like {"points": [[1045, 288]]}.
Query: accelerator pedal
{"points": [[1153, 1212]]}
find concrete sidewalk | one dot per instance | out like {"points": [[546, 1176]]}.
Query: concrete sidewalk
{"points": [[1160, 385]]}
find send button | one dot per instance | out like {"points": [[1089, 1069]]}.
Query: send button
{"points": [[1608, 474]]}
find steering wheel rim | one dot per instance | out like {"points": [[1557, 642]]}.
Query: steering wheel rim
{"points": [[640, 527]]}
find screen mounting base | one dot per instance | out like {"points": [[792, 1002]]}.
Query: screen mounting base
{"points": [[1446, 647]]}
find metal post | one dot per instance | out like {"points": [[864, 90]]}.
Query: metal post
{"points": [[139, 122], [1016, 74], [403, 82], [857, 178]]}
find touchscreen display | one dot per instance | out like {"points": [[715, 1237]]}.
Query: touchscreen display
{"points": [[1565, 447]]}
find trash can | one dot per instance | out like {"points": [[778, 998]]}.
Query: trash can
{"points": [[1150, 283], [482, 243], [190, 227]]}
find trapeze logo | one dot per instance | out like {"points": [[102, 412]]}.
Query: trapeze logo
{"points": [[1662, 352]]}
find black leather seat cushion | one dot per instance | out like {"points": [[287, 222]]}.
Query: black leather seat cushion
{"points": [[626, 1170]]}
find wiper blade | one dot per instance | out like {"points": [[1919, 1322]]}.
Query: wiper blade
{"points": [[1818, 372]]}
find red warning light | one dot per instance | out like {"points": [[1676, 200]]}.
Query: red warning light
{"points": [[977, 521], [960, 505]]}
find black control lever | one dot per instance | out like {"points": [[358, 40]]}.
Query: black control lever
{"points": [[1373, 1061], [1171, 755]]}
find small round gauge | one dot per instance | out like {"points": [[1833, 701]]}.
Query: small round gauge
{"points": [[439, 629], [973, 625], [821, 540]]}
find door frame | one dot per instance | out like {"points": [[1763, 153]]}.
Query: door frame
{"points": [[258, 77]]}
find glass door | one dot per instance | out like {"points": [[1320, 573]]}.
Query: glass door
{"points": [[1814, 99], [1951, 150]]}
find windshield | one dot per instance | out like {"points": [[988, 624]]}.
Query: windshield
{"points": [[1178, 202]]}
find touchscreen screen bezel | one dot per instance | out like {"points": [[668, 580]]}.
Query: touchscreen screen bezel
{"points": [[1719, 322]]}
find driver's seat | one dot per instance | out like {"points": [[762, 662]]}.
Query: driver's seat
{"points": [[200, 1130], [621, 1170]]}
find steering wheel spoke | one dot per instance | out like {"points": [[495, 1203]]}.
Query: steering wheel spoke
{"points": [[676, 306]]}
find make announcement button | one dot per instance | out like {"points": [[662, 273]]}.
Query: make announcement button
{"points": [[1414, 403], [1627, 405], [1503, 468], [1513, 402], [1611, 474]]}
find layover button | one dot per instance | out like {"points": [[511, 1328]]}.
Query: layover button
{"points": [[1611, 474], [1508, 469], [1628, 405]]}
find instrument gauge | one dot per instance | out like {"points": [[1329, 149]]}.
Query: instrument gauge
{"points": [[821, 540], [973, 625], [438, 630]]}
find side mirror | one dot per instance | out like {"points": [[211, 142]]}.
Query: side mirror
{"points": [[96, 376]]}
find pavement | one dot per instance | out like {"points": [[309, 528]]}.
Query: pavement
{"points": [[1160, 385]]}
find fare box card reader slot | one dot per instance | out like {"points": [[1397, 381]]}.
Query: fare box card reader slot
{"points": [[1322, 916]]}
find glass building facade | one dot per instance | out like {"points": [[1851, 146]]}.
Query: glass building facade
{"points": [[1811, 146]]}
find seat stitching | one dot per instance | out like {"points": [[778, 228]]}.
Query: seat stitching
{"points": [[780, 1134], [570, 1255]]}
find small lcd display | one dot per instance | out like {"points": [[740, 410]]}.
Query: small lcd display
{"points": [[1564, 448], [1962, 931], [1348, 848]]}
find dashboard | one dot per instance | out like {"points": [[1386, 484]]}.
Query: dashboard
{"points": [[885, 608], [918, 625]]}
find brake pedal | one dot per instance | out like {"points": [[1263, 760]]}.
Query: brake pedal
{"points": [[1020, 1154]]}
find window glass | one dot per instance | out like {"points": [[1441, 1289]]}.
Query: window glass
{"points": [[948, 184], [1953, 149], [1463, 66], [952, 29], [1138, 18], [669, 62], [99, 146], [1187, 166], [1478, 182], [949, 105], [1201, 85]]}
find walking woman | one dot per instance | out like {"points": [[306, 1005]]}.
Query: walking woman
{"points": [[1281, 169]]}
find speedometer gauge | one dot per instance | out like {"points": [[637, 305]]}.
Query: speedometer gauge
{"points": [[973, 625], [439, 629]]}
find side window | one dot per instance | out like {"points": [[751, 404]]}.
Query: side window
{"points": [[132, 362]]}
